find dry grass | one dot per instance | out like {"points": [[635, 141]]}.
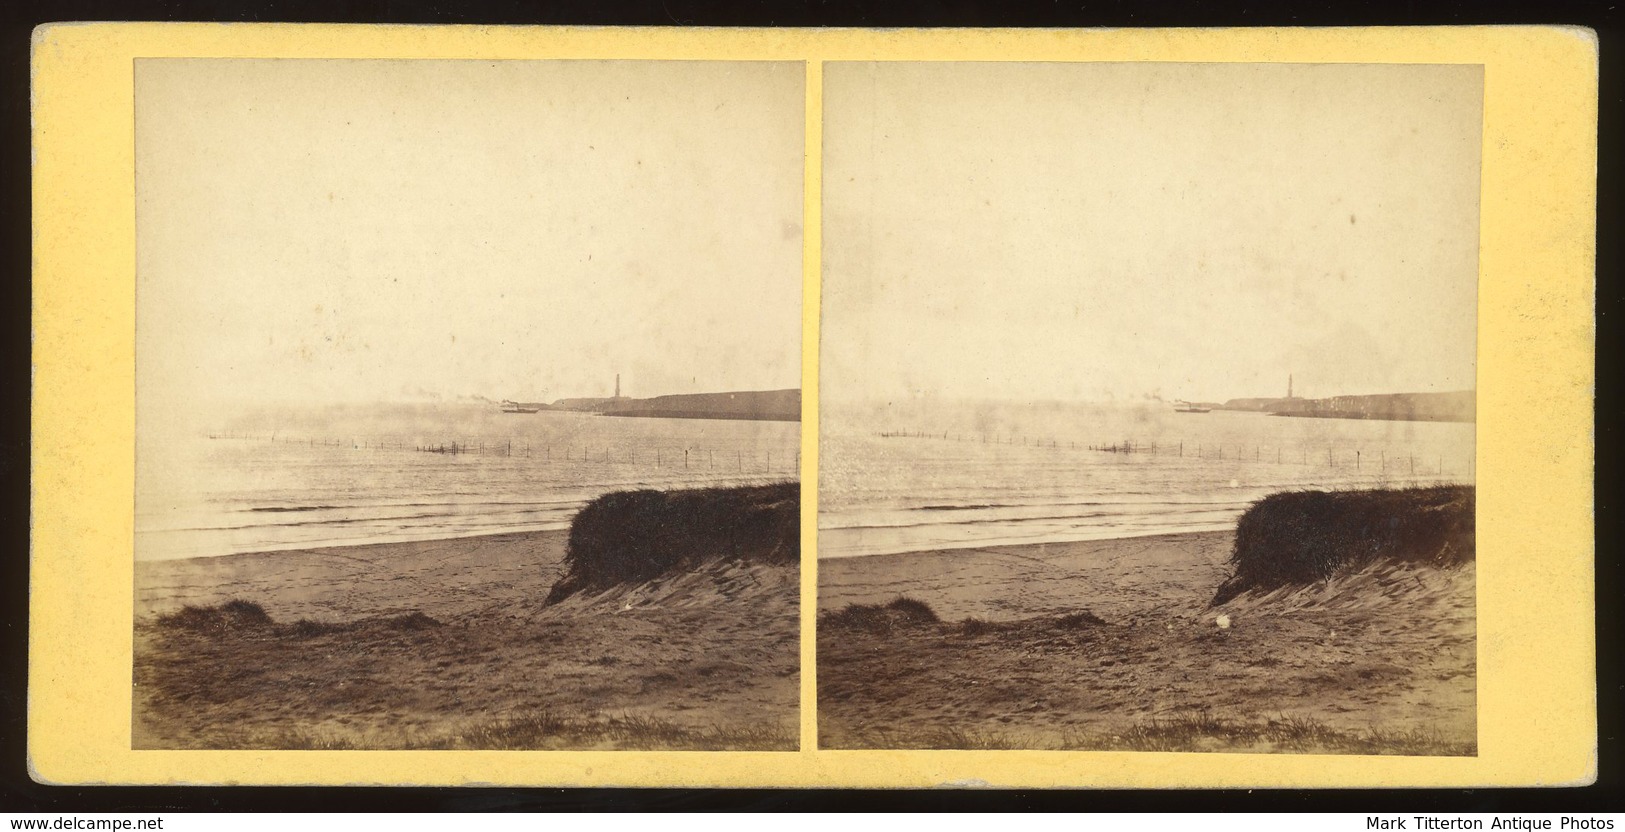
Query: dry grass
{"points": [[448, 644], [1202, 731], [230, 676], [905, 614], [975, 627], [238, 617], [537, 731], [1198, 731], [901, 613], [1301, 537], [232, 616], [1078, 621], [1386, 666], [635, 536]]}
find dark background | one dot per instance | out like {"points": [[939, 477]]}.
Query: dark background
{"points": [[19, 793]]}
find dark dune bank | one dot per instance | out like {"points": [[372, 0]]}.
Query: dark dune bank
{"points": [[633, 536], [1299, 537]]}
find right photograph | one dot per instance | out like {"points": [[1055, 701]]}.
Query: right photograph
{"points": [[1147, 397]]}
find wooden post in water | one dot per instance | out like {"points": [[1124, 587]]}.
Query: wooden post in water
{"points": [[1356, 460]]}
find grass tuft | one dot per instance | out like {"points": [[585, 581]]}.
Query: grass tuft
{"points": [[975, 626], [237, 616], [232, 616], [305, 628], [1078, 621], [412, 621], [903, 612]]}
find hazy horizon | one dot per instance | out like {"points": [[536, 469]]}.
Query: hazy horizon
{"points": [[1113, 231], [1109, 398], [329, 231]]}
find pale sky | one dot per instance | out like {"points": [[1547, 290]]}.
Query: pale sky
{"points": [[1200, 231], [315, 231]]}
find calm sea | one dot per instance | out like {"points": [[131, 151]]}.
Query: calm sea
{"points": [[277, 480], [959, 475]]}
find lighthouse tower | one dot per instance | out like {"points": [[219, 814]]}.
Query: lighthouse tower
{"points": [[1288, 386], [618, 385]]}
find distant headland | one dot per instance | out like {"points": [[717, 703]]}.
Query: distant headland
{"points": [[754, 405], [1455, 406]]}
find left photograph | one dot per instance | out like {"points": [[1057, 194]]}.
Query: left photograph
{"points": [[467, 404]]}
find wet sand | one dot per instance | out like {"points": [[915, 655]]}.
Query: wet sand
{"points": [[706, 659], [1379, 661]]}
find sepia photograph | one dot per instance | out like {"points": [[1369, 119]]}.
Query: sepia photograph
{"points": [[1147, 399], [467, 404], [578, 407]]}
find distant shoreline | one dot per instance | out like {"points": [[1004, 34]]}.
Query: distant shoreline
{"points": [[704, 414], [340, 549], [1419, 417], [987, 546], [738, 405], [1454, 406]]}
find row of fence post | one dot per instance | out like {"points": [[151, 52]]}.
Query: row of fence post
{"points": [[692, 458], [1203, 450]]}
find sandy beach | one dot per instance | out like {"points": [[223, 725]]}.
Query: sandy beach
{"points": [[1378, 661], [446, 644]]}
